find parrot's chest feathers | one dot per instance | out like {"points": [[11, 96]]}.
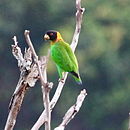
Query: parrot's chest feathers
{"points": [[58, 53], [56, 49]]}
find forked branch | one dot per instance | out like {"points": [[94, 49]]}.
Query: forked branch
{"points": [[44, 84], [27, 79]]}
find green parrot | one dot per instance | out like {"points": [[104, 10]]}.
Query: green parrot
{"points": [[62, 55]]}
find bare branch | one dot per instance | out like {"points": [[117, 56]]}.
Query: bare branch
{"points": [[79, 15], [28, 40], [70, 114], [74, 43], [15, 108], [17, 52], [43, 78], [27, 79]]}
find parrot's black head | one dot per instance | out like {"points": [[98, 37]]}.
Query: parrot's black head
{"points": [[51, 35]]}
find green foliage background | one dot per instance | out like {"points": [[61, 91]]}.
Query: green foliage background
{"points": [[103, 53]]}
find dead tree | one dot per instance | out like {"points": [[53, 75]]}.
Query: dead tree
{"points": [[31, 68]]}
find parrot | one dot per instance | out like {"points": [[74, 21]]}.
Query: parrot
{"points": [[62, 55]]}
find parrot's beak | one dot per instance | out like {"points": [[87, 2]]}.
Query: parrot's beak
{"points": [[46, 37]]}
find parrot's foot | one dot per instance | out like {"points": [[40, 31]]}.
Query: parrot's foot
{"points": [[61, 80], [37, 77]]}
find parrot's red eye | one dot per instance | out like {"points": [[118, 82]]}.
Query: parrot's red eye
{"points": [[51, 34]]}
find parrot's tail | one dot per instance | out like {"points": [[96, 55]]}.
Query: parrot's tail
{"points": [[76, 77]]}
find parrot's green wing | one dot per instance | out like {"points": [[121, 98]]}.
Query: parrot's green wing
{"points": [[63, 56], [65, 59]]}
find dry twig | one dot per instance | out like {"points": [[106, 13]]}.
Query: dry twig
{"points": [[70, 114]]}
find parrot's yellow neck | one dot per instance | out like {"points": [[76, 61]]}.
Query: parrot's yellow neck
{"points": [[59, 38]]}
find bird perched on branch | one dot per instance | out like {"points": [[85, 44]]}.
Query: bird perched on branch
{"points": [[62, 55]]}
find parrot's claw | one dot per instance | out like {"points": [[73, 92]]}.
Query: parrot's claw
{"points": [[61, 80], [37, 77]]}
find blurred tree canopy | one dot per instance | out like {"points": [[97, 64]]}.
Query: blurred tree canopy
{"points": [[103, 54]]}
